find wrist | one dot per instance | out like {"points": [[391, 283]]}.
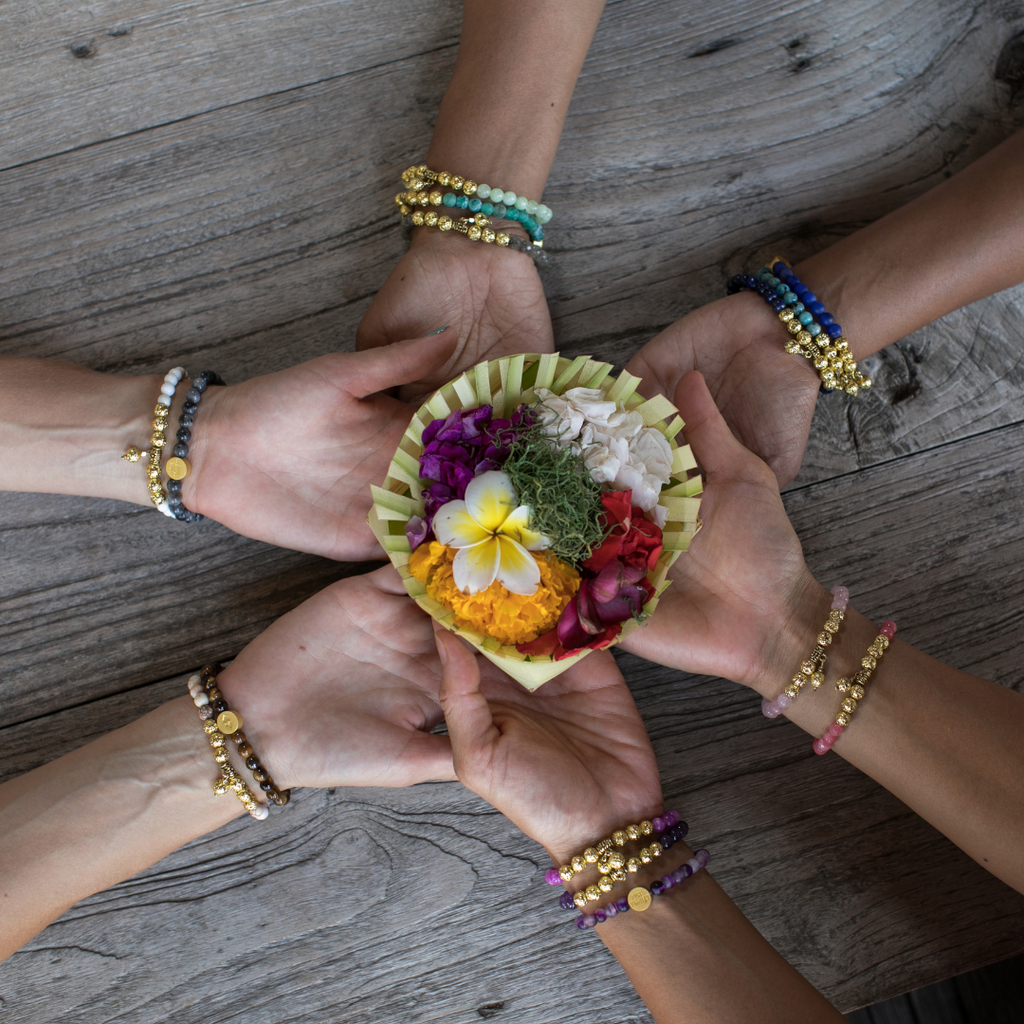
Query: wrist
{"points": [[584, 832], [201, 443]]}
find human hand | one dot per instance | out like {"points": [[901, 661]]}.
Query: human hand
{"points": [[342, 691], [288, 458], [491, 299], [567, 764], [766, 395], [742, 604]]}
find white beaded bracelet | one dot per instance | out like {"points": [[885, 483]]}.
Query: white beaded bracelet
{"points": [[133, 454]]}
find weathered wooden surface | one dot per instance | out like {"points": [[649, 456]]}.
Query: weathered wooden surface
{"points": [[213, 187]]}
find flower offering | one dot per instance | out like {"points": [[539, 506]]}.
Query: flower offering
{"points": [[535, 506]]}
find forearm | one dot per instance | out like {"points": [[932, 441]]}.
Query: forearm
{"points": [[101, 814], [693, 957], [64, 428], [502, 115], [959, 242], [945, 742]]}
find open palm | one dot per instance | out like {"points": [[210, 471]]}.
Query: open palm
{"points": [[567, 764], [766, 395], [289, 458], [491, 299]]}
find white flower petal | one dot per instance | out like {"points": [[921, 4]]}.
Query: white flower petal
{"points": [[475, 568], [517, 527], [456, 528], [518, 570], [490, 498]]}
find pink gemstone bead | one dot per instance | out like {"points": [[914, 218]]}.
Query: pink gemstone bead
{"points": [[888, 629], [835, 730], [840, 599], [821, 747], [659, 824], [672, 818], [770, 709], [783, 701], [552, 877]]}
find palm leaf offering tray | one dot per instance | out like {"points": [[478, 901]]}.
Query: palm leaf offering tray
{"points": [[535, 506]]}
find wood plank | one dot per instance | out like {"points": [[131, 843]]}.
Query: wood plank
{"points": [[433, 904], [75, 76]]}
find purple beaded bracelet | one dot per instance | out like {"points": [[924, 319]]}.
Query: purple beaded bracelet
{"points": [[636, 900]]}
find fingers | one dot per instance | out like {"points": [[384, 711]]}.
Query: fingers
{"points": [[708, 435], [380, 369], [428, 758], [466, 712]]}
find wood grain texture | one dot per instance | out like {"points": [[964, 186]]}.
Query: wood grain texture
{"points": [[214, 187]]}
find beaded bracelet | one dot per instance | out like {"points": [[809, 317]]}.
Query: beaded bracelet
{"points": [[157, 441], [476, 229], [854, 688], [421, 177], [407, 202], [230, 723], [639, 898], [178, 467], [811, 670], [665, 841], [229, 781], [820, 340]]}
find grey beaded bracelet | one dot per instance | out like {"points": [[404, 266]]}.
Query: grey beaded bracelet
{"points": [[178, 466]]}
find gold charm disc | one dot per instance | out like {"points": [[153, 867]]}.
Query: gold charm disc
{"points": [[639, 898]]}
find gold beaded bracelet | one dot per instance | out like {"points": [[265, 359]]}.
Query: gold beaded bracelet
{"points": [[161, 412], [229, 780], [623, 867], [599, 851]]}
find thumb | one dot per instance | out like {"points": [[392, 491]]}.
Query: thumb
{"points": [[466, 711], [404, 362], [708, 435]]}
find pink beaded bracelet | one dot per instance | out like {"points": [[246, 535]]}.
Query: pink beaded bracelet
{"points": [[853, 689], [811, 670]]}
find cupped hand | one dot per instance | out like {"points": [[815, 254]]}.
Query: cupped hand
{"points": [[766, 395], [289, 458], [742, 604], [343, 690], [567, 764], [490, 298]]}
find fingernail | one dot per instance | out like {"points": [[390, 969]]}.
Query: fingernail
{"points": [[440, 330], [442, 650]]}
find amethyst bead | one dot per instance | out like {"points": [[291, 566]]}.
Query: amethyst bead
{"points": [[622, 904], [600, 916], [612, 909], [589, 920], [566, 902], [702, 857], [657, 888], [552, 877], [659, 824], [668, 881], [580, 922]]}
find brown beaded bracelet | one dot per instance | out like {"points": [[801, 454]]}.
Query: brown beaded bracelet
{"points": [[214, 707]]}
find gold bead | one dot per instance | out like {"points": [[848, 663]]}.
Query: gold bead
{"points": [[221, 756], [590, 855], [132, 454], [469, 188], [474, 233], [645, 856], [633, 831], [487, 235], [153, 472], [841, 343], [857, 691], [646, 828], [436, 198], [618, 875], [792, 690], [619, 838], [444, 178], [803, 338], [791, 347], [209, 727], [404, 210], [849, 705], [882, 640], [868, 662], [824, 638], [604, 867], [445, 223], [843, 718], [852, 390], [604, 846], [237, 784], [458, 182], [565, 872], [842, 684], [605, 884], [417, 218], [593, 893], [160, 409], [865, 383], [157, 440], [817, 679], [220, 787], [820, 362], [430, 218], [862, 676], [656, 849], [502, 238], [580, 899], [633, 865], [217, 738], [786, 316], [793, 327], [617, 859], [578, 864], [462, 226]]}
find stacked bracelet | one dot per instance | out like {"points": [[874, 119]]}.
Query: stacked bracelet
{"points": [[157, 440], [211, 703], [815, 334], [477, 229], [812, 670], [178, 467], [640, 898], [853, 689], [421, 178]]}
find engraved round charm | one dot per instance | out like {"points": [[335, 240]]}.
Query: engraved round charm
{"points": [[639, 898], [229, 722], [178, 468]]}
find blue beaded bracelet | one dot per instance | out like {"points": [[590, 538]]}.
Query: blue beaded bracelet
{"points": [[639, 898], [815, 334], [178, 467], [498, 210]]}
